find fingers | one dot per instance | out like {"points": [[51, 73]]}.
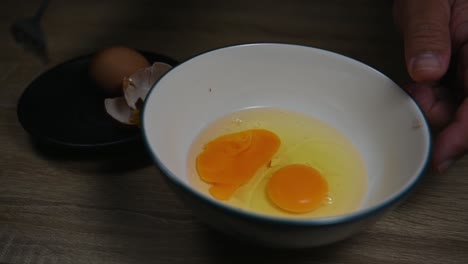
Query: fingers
{"points": [[464, 67], [434, 103], [462, 71], [452, 142], [431, 29], [459, 23], [426, 34]]}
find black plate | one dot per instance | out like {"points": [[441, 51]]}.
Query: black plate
{"points": [[65, 108]]}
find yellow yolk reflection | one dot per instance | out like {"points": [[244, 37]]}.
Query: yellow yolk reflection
{"points": [[297, 188], [230, 161]]}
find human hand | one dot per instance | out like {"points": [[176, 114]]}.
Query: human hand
{"points": [[435, 34]]}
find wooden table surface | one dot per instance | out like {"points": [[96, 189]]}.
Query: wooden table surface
{"points": [[58, 207]]}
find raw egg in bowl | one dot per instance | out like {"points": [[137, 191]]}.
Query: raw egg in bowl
{"points": [[285, 145]]}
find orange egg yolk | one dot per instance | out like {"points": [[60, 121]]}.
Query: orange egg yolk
{"points": [[297, 188], [232, 160]]}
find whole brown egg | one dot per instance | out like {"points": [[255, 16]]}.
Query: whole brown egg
{"points": [[110, 66]]}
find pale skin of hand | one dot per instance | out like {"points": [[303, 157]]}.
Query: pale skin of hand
{"points": [[435, 34]]}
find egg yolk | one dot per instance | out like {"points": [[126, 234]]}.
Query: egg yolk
{"points": [[297, 188], [232, 160]]}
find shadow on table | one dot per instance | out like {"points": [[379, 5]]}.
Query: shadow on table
{"points": [[105, 160], [225, 249]]}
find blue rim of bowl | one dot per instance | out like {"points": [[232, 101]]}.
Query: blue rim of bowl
{"points": [[321, 221]]}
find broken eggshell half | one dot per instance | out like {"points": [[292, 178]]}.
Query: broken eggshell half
{"points": [[126, 109]]}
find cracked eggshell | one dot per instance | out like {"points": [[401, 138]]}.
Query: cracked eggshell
{"points": [[126, 109], [137, 86], [118, 109]]}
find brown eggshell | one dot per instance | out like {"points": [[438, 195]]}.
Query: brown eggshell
{"points": [[109, 66]]}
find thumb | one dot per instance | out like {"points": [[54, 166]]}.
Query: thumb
{"points": [[426, 35]]}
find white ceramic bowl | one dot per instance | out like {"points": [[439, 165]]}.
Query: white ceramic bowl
{"points": [[380, 119]]}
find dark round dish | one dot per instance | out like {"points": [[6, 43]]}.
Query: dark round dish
{"points": [[65, 108]]}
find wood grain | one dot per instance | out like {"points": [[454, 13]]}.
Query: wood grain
{"points": [[58, 207]]}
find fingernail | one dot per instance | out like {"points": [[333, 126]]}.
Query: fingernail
{"points": [[427, 61], [443, 166]]}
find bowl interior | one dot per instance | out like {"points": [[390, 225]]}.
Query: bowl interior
{"points": [[380, 119]]}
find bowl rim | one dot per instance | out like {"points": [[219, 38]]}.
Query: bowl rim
{"points": [[319, 221]]}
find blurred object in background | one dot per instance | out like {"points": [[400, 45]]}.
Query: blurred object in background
{"points": [[29, 35]]}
